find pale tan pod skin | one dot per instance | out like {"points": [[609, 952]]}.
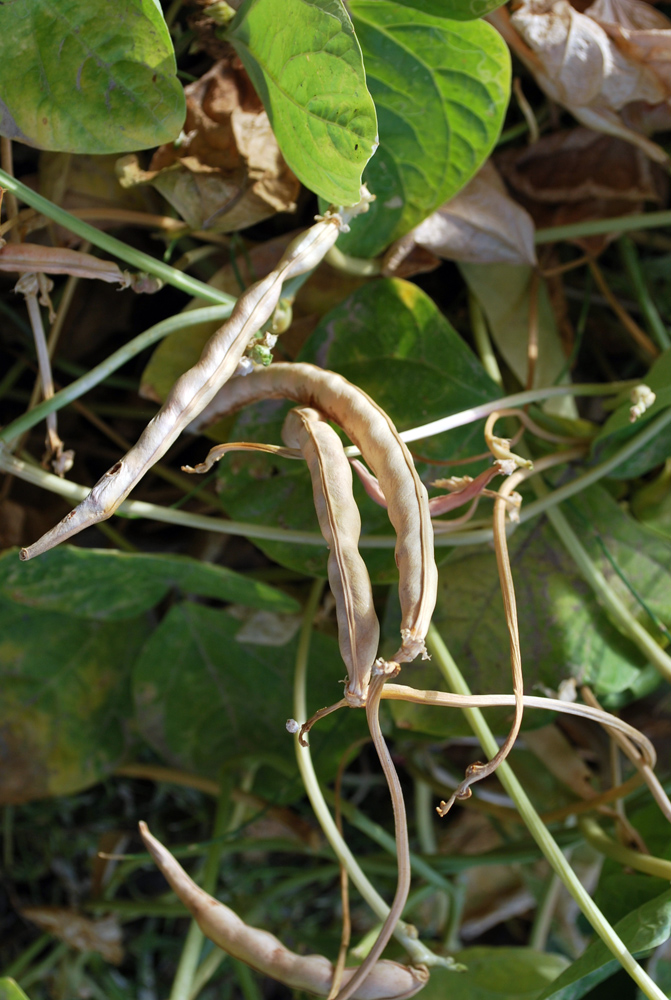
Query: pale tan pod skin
{"points": [[195, 388], [373, 432], [265, 953], [340, 522]]}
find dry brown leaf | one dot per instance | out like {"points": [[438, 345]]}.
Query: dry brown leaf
{"points": [[561, 759], [577, 174], [102, 935], [580, 66], [480, 225], [632, 15], [494, 893], [225, 172]]}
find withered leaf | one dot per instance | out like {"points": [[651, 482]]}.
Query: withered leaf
{"points": [[480, 225], [594, 70], [225, 172], [102, 935], [577, 174]]}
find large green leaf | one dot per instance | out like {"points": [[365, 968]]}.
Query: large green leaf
{"points": [[65, 700], [203, 698], [618, 428], [496, 974], [92, 583], [634, 560], [441, 91], [305, 62], [84, 76], [644, 928], [456, 10], [390, 339], [10, 990]]}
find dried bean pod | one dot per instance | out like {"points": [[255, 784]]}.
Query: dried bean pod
{"points": [[195, 388], [340, 523], [265, 953], [373, 432]]}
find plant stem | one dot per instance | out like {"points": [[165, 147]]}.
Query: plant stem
{"points": [[40, 971], [99, 373], [404, 933], [102, 240], [425, 818], [599, 227], [168, 515], [606, 596], [14, 970], [206, 970], [594, 835], [543, 918], [183, 982], [516, 400], [597, 472], [246, 981], [629, 257], [482, 340], [536, 827], [360, 267]]}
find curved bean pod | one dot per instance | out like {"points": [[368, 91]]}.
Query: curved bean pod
{"points": [[265, 953], [340, 523], [195, 388], [374, 434]]}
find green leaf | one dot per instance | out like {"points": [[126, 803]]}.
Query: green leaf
{"points": [[504, 293], [619, 892], [305, 62], [203, 698], [83, 77], [496, 974], [618, 429], [563, 632], [65, 700], [10, 990], [441, 91], [102, 584], [652, 504], [390, 339], [644, 928], [633, 559], [456, 10]]}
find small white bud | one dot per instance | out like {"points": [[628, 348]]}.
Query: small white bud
{"points": [[292, 726], [245, 366], [506, 466], [642, 398]]}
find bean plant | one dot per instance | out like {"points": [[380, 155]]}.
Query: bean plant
{"points": [[534, 581]]}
